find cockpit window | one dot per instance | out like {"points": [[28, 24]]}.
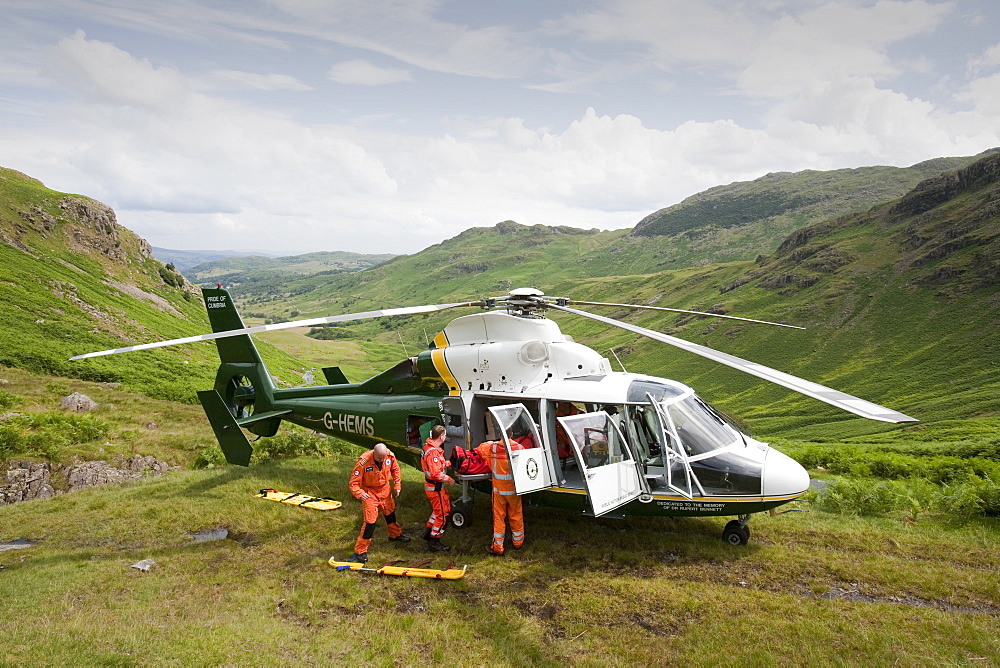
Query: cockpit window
{"points": [[639, 390], [699, 428]]}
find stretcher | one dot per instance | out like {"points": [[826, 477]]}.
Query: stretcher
{"points": [[391, 568], [296, 499]]}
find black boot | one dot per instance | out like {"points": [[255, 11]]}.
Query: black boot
{"points": [[427, 533], [436, 545], [402, 538]]}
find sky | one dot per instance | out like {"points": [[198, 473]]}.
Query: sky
{"points": [[384, 126]]}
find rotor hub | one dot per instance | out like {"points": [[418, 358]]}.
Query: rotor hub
{"points": [[525, 302]]}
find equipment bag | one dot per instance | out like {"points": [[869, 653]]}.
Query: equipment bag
{"points": [[468, 461]]}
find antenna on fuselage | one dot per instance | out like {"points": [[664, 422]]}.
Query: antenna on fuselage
{"points": [[612, 351], [405, 352]]}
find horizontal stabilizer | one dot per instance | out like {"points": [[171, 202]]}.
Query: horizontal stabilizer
{"points": [[261, 417]]}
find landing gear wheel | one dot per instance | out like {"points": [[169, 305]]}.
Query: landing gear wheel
{"points": [[735, 533], [461, 515]]}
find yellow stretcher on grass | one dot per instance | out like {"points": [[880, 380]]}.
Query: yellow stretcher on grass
{"points": [[296, 499], [449, 573]]}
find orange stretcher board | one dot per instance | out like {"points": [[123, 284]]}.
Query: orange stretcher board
{"points": [[296, 499], [403, 571]]}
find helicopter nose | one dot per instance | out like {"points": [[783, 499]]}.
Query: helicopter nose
{"points": [[783, 476]]}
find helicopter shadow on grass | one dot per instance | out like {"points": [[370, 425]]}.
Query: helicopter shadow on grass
{"points": [[561, 540]]}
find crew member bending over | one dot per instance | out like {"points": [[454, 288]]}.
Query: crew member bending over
{"points": [[370, 484], [435, 468]]}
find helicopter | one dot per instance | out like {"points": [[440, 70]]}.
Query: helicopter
{"points": [[579, 435]]}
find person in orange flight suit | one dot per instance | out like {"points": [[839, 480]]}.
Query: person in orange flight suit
{"points": [[435, 466], [370, 484], [506, 502]]}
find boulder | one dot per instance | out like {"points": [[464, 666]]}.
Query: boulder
{"points": [[78, 402]]}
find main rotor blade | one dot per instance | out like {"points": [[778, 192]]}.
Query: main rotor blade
{"points": [[816, 391], [680, 310], [282, 325]]}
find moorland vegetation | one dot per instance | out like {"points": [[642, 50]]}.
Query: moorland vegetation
{"points": [[894, 272]]}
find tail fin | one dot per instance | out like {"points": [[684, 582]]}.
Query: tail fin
{"points": [[242, 381]]}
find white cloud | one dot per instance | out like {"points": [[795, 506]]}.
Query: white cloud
{"points": [[833, 41], [412, 33], [766, 50], [364, 73], [104, 72], [984, 95], [236, 79], [154, 144], [989, 60]]}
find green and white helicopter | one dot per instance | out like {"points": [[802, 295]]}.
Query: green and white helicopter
{"points": [[609, 443]]}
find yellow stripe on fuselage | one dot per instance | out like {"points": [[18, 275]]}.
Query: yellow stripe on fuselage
{"points": [[441, 364]]}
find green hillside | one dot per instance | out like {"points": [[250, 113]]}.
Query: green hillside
{"points": [[72, 280], [479, 261], [742, 220], [895, 298]]}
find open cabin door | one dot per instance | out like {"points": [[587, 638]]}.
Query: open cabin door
{"points": [[675, 461], [455, 425], [609, 470], [529, 458]]}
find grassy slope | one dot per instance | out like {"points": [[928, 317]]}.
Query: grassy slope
{"points": [[479, 261], [58, 301], [742, 220], [184, 259], [811, 589]]}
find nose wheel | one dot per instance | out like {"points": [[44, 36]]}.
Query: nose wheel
{"points": [[461, 514], [737, 532]]}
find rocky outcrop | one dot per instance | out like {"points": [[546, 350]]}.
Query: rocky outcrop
{"points": [[97, 228], [80, 403], [938, 190], [26, 481]]}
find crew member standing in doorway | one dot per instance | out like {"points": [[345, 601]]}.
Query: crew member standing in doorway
{"points": [[370, 484], [506, 502], [435, 468]]}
